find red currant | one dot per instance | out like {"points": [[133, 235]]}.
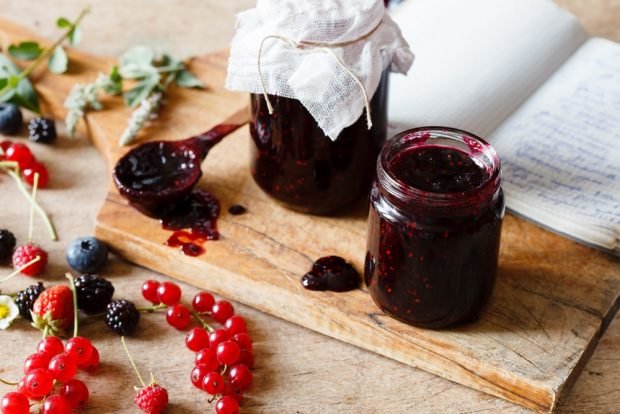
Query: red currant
{"points": [[213, 383], [56, 404], [34, 168], [149, 291], [203, 302], [5, 145], [21, 388], [63, 367], [178, 316], [35, 361], [228, 352], [246, 358], [169, 293], [198, 373], [39, 382], [80, 348], [243, 340], [76, 392], [208, 358], [50, 346], [241, 376], [232, 390], [218, 336], [222, 310], [21, 154], [92, 363], [15, 403], [227, 405], [197, 339], [235, 325]]}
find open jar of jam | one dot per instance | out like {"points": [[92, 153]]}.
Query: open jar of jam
{"points": [[434, 227], [297, 164]]}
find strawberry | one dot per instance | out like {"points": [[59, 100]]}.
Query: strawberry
{"points": [[53, 309]]}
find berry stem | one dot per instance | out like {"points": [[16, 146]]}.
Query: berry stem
{"points": [[5, 382], [17, 271], [133, 364], [42, 213], [35, 184], [75, 305], [204, 323], [149, 309], [46, 330]]}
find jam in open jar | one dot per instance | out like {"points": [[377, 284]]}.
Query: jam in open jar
{"points": [[298, 165], [434, 227]]}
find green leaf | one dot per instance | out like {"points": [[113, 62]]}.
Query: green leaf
{"points": [[26, 97], [22, 95], [186, 79], [141, 91], [115, 86], [139, 55], [138, 71], [63, 22], [75, 35], [58, 62], [25, 50]]}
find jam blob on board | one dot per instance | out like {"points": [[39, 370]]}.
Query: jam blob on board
{"points": [[331, 273]]}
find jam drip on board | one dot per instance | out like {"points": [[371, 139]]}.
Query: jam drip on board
{"points": [[197, 213], [331, 273]]}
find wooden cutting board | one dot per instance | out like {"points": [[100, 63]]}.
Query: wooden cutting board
{"points": [[553, 299]]}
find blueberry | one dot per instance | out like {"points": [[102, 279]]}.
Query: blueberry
{"points": [[10, 119], [87, 254]]}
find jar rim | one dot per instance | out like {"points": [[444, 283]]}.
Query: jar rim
{"points": [[476, 147]]}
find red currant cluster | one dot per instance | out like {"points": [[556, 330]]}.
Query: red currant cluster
{"points": [[53, 368], [28, 164], [223, 356]]}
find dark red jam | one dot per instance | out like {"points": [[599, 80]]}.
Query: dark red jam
{"points": [[298, 165], [237, 209], [331, 273], [194, 221], [434, 227]]}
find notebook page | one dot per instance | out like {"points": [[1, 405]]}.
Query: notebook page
{"points": [[560, 151], [477, 60]]}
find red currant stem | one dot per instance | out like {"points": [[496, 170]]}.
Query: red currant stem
{"points": [[42, 213], [224, 370], [8, 164], [35, 184], [149, 309], [17, 271], [204, 323], [133, 364], [5, 382], [75, 305]]}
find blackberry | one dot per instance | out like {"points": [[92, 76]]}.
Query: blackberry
{"points": [[93, 293], [25, 299], [7, 245], [122, 317], [10, 119], [42, 131]]}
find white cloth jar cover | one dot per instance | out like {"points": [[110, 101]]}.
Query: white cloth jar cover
{"points": [[320, 52]]}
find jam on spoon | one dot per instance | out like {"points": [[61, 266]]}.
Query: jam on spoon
{"points": [[155, 176]]}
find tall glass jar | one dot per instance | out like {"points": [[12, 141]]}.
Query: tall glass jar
{"points": [[298, 165], [434, 227]]}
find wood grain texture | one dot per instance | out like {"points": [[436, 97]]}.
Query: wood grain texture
{"points": [[529, 346], [298, 371]]}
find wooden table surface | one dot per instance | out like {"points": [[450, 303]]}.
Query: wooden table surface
{"points": [[297, 371]]}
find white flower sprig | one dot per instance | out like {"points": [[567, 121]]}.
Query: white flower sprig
{"points": [[146, 111]]}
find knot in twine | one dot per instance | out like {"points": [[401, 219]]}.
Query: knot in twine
{"points": [[312, 47]]}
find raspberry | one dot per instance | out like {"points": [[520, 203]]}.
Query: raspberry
{"points": [[93, 293], [7, 244], [26, 253], [152, 399], [122, 317], [25, 299], [42, 131]]}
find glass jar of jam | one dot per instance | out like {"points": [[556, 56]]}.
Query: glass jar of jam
{"points": [[297, 164], [434, 227]]}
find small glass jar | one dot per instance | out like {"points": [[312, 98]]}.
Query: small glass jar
{"points": [[297, 164], [434, 227]]}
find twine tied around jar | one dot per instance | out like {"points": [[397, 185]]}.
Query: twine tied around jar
{"points": [[312, 47]]}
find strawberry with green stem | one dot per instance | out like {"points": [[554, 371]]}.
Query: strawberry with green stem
{"points": [[152, 398]]}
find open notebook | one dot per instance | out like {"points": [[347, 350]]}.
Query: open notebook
{"points": [[524, 75]]}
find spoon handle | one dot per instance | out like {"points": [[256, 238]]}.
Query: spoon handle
{"points": [[211, 137]]}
